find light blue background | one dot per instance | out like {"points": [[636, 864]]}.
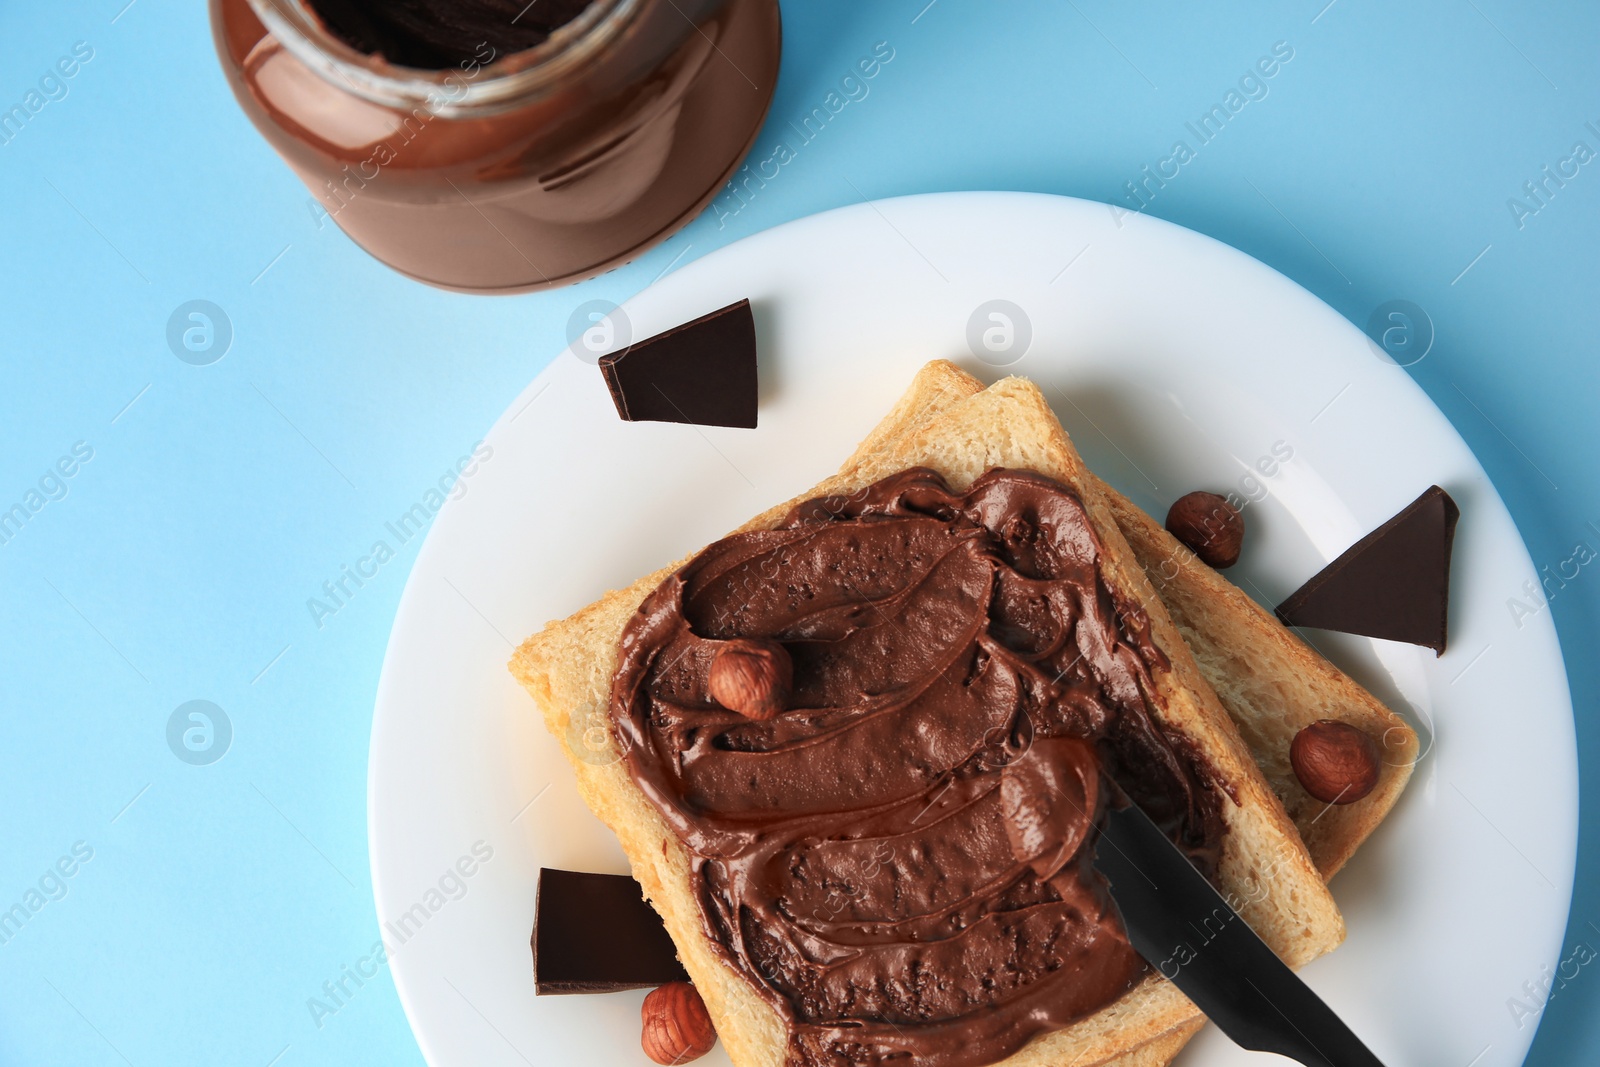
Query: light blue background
{"points": [[178, 565]]}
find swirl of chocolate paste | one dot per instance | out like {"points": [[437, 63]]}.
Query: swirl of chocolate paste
{"points": [[900, 861]]}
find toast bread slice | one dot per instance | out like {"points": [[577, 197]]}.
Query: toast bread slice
{"points": [[1273, 685], [567, 668], [1270, 681]]}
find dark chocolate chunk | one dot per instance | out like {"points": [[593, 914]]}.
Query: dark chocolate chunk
{"points": [[594, 933], [703, 372], [1394, 583]]}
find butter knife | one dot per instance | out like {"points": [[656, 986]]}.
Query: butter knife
{"points": [[1182, 926]]}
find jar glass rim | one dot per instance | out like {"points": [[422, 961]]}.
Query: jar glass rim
{"points": [[505, 81]]}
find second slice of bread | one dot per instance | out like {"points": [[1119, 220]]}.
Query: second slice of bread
{"points": [[567, 668]]}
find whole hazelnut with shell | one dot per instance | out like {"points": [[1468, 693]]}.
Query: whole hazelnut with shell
{"points": [[751, 676], [1212, 528], [1336, 762], [676, 1026]]}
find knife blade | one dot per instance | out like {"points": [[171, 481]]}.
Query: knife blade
{"points": [[1184, 928]]}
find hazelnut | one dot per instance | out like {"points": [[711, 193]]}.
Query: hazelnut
{"points": [[1337, 763], [1211, 527], [752, 677], [677, 1027]]}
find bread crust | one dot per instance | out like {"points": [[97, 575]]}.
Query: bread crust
{"points": [[567, 668]]}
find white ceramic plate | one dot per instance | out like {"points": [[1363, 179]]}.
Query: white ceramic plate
{"points": [[1176, 363]]}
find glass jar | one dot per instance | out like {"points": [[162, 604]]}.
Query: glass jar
{"points": [[509, 173]]}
